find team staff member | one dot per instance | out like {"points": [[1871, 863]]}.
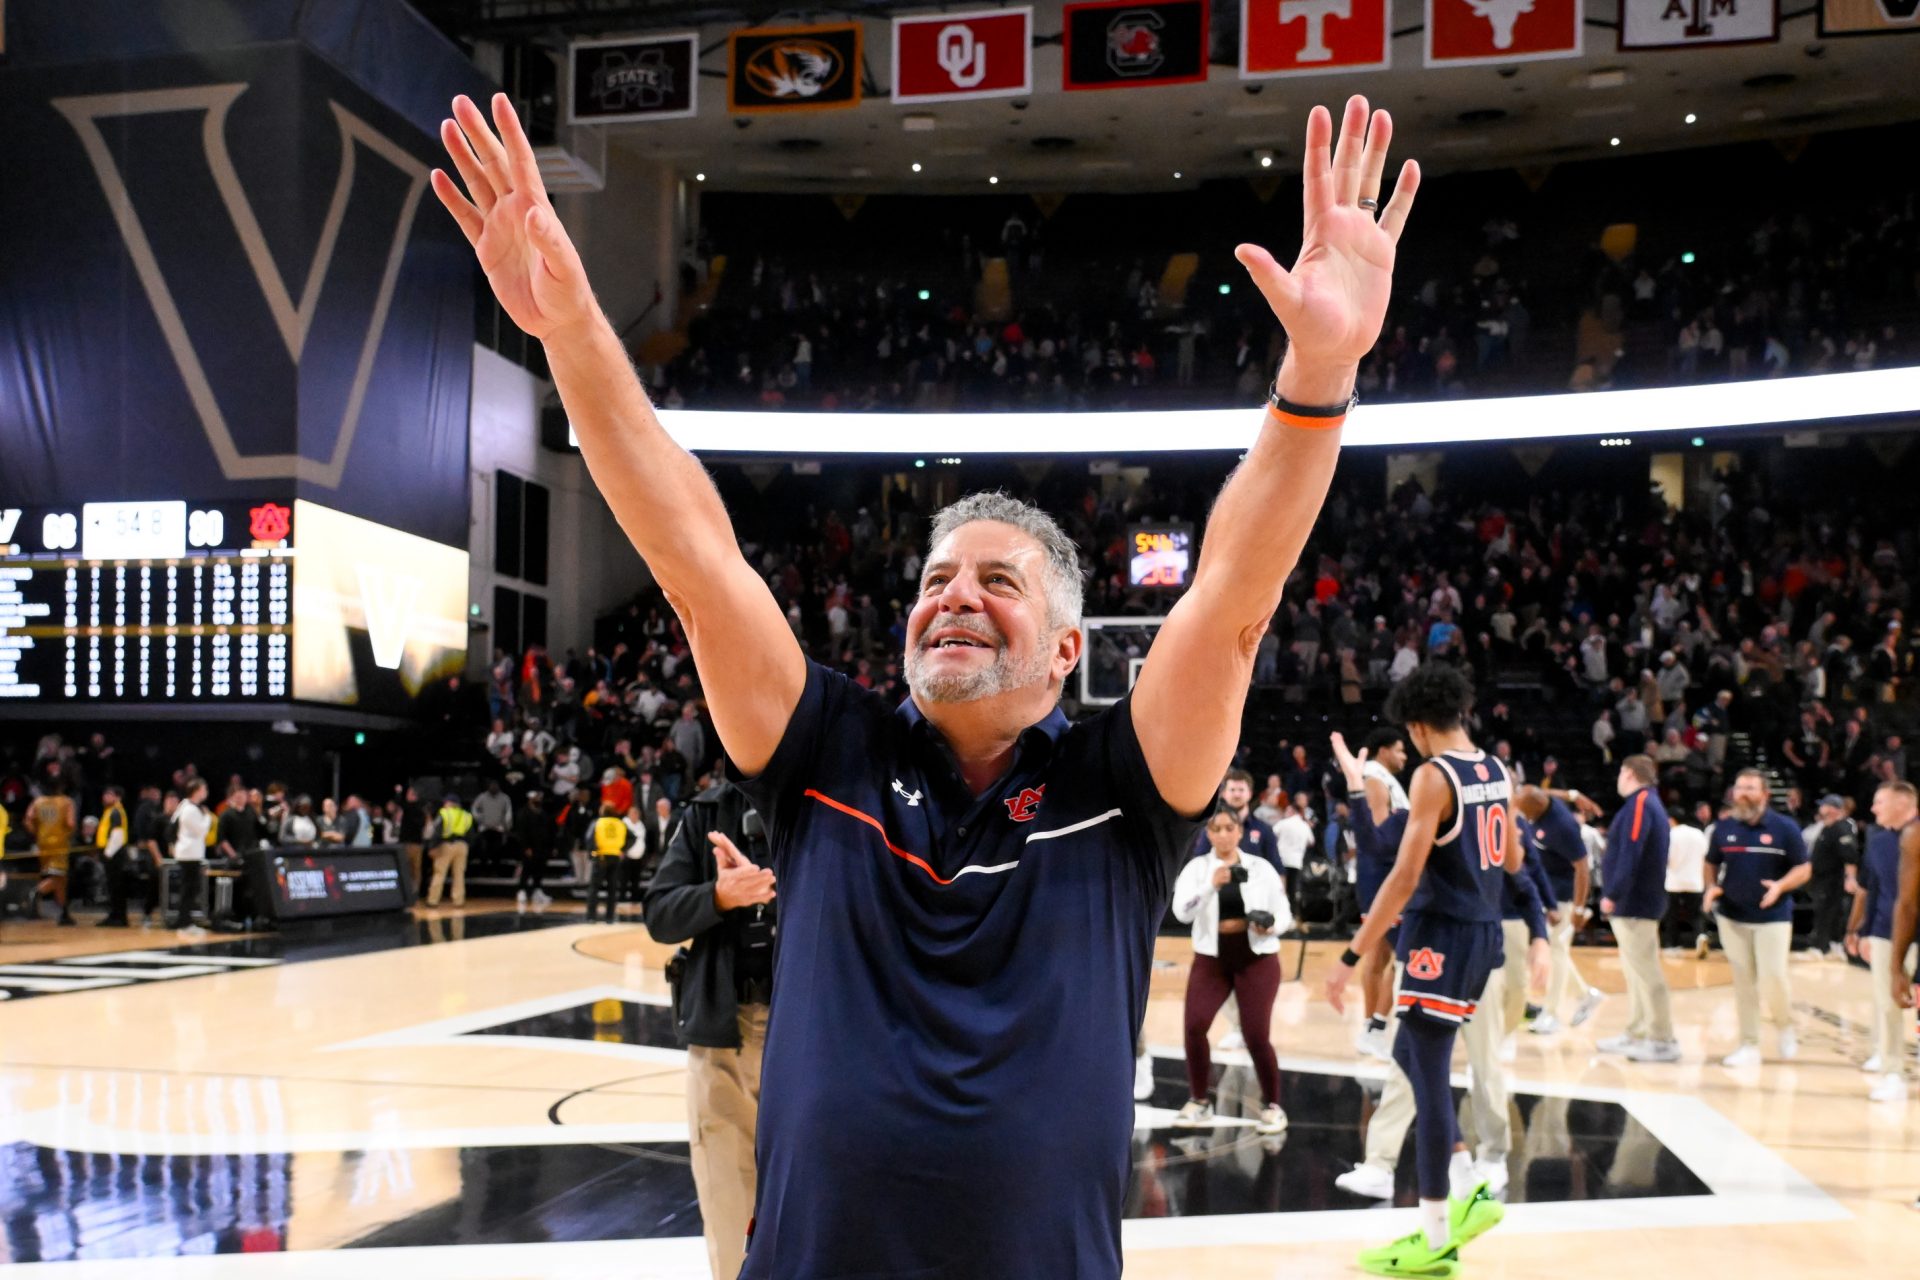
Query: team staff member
{"points": [[1835, 854], [1256, 837], [51, 821], [1686, 883], [1446, 887], [1755, 860], [1238, 909], [1381, 760], [610, 839], [1562, 849], [1872, 920], [123, 856], [413, 837], [930, 855], [449, 852], [1634, 872], [714, 889], [533, 835], [1906, 920], [192, 824]]}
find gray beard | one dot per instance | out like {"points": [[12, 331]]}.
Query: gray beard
{"points": [[1001, 676], [1750, 816]]}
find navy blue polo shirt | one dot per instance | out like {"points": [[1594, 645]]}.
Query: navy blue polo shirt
{"points": [[947, 1087], [1256, 839], [1749, 854], [1560, 846], [1880, 878]]}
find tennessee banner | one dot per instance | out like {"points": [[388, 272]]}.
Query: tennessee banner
{"points": [[1868, 17], [943, 56], [1465, 33], [794, 68], [1111, 44], [1676, 24], [1309, 37]]}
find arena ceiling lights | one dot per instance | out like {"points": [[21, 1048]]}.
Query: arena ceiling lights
{"points": [[1785, 402]]}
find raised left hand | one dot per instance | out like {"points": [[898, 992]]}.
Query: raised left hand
{"points": [[1334, 300]]}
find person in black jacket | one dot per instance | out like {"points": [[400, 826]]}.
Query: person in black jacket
{"points": [[715, 889], [533, 836]]}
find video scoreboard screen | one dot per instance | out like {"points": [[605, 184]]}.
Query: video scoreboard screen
{"points": [[146, 601], [1159, 555]]}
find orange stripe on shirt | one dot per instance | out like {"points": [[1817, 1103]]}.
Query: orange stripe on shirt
{"points": [[1286, 419], [1639, 811], [874, 822]]}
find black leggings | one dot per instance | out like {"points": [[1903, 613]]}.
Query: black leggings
{"points": [[533, 869]]}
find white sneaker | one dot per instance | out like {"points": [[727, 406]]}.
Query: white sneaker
{"points": [[1616, 1044], [1588, 1003], [1789, 1044], [1272, 1120], [1374, 1044], [1368, 1180], [1836, 952], [1545, 1025], [192, 933], [1891, 1087], [1493, 1173], [1232, 1042], [1747, 1055], [1655, 1051], [520, 900], [1195, 1115], [540, 899], [1143, 1077], [1872, 1065], [1510, 1048]]}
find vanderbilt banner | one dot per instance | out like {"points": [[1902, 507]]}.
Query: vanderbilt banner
{"points": [[794, 68], [1868, 17]]}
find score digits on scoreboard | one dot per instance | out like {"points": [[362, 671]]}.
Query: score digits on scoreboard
{"points": [[1159, 555]]}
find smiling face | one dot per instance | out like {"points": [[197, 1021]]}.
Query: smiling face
{"points": [[981, 627], [1749, 798]]}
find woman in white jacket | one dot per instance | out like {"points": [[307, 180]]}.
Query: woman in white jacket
{"points": [[1238, 909]]}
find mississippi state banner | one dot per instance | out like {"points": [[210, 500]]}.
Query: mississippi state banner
{"points": [[634, 78], [813, 68], [1313, 37], [1677, 24], [945, 56], [1113, 44], [1869, 17]]}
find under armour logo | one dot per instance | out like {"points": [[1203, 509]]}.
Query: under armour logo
{"points": [[911, 797], [1025, 806], [1426, 964]]}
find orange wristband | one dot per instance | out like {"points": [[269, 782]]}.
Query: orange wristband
{"points": [[1286, 419]]}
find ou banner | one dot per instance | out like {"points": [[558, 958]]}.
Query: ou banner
{"points": [[1675, 24], [1310, 37], [941, 57], [1465, 33]]}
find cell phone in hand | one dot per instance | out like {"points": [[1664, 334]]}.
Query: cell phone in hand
{"points": [[1238, 875]]}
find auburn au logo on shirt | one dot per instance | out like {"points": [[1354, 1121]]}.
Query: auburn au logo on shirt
{"points": [[1025, 807]]}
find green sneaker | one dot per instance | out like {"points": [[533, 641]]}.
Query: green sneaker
{"points": [[1473, 1215], [1412, 1256]]}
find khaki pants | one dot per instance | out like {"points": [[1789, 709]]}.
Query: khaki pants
{"points": [[1649, 1005], [1889, 1024], [723, 1107], [1758, 954], [414, 852], [1514, 941], [1489, 1128], [450, 855], [1565, 973]]}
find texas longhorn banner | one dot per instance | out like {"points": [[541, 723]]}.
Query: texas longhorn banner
{"points": [[1676, 24], [1464, 33], [1311, 37], [987, 53], [1112, 44], [794, 68], [1868, 17]]}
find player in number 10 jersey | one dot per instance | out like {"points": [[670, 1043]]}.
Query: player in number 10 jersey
{"points": [[1460, 839]]}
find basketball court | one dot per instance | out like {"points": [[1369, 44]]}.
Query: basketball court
{"points": [[481, 1093]]}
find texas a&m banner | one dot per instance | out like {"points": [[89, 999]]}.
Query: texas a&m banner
{"points": [[1112, 44], [794, 68], [1309, 37], [1464, 33], [987, 53], [1868, 17], [1675, 24], [650, 77]]}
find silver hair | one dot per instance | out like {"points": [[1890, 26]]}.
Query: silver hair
{"points": [[1066, 590]]}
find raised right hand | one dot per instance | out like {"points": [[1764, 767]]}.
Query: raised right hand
{"points": [[1351, 766], [530, 263], [741, 883]]}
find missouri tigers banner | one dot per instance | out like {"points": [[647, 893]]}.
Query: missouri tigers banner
{"points": [[1869, 17], [1112, 44], [1312, 37], [1677, 24], [794, 68]]}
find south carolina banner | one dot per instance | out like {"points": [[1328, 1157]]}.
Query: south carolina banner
{"points": [[1312, 37], [794, 68], [1869, 17], [1113, 44]]}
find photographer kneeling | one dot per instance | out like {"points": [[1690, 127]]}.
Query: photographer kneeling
{"points": [[1238, 909], [714, 888]]}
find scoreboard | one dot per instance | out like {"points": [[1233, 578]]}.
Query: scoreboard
{"points": [[1159, 555], [146, 601]]}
